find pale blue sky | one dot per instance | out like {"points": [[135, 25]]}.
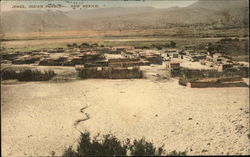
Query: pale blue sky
{"points": [[6, 4]]}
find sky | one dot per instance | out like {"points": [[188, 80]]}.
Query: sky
{"points": [[8, 5]]}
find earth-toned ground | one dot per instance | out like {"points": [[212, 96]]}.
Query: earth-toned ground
{"points": [[41, 117]]}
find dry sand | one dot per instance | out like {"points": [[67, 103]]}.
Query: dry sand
{"points": [[39, 117]]}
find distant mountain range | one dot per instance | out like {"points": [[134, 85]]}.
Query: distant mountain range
{"points": [[209, 12]]}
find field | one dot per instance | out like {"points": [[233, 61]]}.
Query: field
{"points": [[39, 118], [182, 36]]}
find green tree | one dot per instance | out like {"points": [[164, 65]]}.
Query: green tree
{"points": [[172, 44]]}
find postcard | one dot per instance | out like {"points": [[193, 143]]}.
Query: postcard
{"points": [[124, 77]]}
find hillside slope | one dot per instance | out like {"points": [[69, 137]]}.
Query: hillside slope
{"points": [[220, 12]]}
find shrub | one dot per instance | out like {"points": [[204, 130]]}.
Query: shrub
{"points": [[158, 47], [172, 44], [7, 74], [35, 75], [86, 45], [142, 47], [70, 152], [74, 45], [175, 153], [109, 145], [143, 148], [69, 45], [94, 45], [27, 75]]}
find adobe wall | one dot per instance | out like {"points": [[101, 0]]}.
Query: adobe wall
{"points": [[183, 81], [200, 74], [111, 73], [216, 84], [125, 73], [93, 73], [126, 64]]}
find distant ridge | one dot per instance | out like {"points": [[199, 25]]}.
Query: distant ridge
{"points": [[220, 4], [213, 12]]}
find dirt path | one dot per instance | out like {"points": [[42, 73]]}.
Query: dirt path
{"points": [[86, 117]]}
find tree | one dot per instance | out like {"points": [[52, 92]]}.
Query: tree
{"points": [[94, 45], [172, 44], [74, 45], [85, 45], [69, 45]]}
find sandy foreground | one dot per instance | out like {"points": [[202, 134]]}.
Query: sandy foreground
{"points": [[40, 117]]}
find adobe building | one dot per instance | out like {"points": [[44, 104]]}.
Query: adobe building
{"points": [[223, 67], [217, 82], [174, 68], [210, 78], [153, 58], [109, 72]]}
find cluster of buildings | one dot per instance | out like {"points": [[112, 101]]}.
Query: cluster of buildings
{"points": [[219, 70], [125, 61], [217, 61], [102, 62]]}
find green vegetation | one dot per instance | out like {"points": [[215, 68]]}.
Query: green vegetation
{"points": [[27, 75], [83, 45], [159, 46], [180, 35], [35, 75], [109, 145], [143, 148], [88, 45], [229, 46], [28, 48]]}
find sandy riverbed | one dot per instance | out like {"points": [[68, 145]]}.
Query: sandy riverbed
{"points": [[39, 117]]}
